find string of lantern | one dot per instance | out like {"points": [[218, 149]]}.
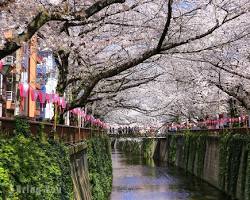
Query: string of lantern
{"points": [[38, 95], [25, 89], [211, 122]]}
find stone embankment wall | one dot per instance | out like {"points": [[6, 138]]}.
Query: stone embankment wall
{"points": [[222, 160], [143, 146], [91, 169], [79, 171]]}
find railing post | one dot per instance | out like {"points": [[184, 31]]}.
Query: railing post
{"points": [[248, 119], [55, 135], [55, 117], [79, 134]]}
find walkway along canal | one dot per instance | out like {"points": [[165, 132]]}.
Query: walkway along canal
{"points": [[136, 178]]}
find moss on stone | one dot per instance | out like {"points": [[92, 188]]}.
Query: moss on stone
{"points": [[130, 146]]}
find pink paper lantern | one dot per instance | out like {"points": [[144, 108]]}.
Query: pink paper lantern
{"points": [[34, 94], [1, 65], [23, 89], [47, 97], [87, 118]]}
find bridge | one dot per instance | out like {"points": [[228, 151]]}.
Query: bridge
{"points": [[236, 130]]}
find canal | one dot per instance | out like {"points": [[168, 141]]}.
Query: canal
{"points": [[137, 179]]}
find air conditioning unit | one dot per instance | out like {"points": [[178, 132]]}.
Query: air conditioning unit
{"points": [[9, 96], [10, 80], [8, 60]]}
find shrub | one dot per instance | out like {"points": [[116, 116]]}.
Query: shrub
{"points": [[33, 169]]}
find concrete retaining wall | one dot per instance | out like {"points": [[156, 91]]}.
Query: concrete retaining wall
{"points": [[79, 171], [211, 165]]}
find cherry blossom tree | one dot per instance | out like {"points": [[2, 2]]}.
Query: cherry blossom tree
{"points": [[105, 48]]}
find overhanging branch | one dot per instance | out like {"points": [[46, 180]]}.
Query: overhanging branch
{"points": [[166, 28], [45, 16]]}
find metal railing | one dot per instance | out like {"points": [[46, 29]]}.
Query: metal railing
{"points": [[66, 134], [236, 130]]}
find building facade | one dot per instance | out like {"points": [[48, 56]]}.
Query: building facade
{"points": [[25, 79]]}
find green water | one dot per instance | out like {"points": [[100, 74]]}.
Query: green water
{"points": [[138, 179]]}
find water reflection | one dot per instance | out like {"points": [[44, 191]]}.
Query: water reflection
{"points": [[135, 178]]}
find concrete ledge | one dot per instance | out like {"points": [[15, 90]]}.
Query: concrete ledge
{"points": [[76, 148]]}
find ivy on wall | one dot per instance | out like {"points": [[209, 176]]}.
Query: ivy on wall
{"points": [[235, 164], [172, 149], [193, 140], [147, 147], [130, 146], [32, 169], [100, 167], [235, 148], [224, 157], [247, 180], [194, 150], [234, 159], [200, 153]]}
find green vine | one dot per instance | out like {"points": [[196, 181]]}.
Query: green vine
{"points": [[201, 151], [172, 148], [185, 155], [100, 167], [243, 173], [22, 127], [247, 185], [230, 159], [130, 146], [235, 147], [192, 152], [148, 148], [31, 169], [223, 160]]}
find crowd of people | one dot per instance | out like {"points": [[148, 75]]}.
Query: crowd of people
{"points": [[134, 131], [224, 122], [220, 123], [125, 130]]}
